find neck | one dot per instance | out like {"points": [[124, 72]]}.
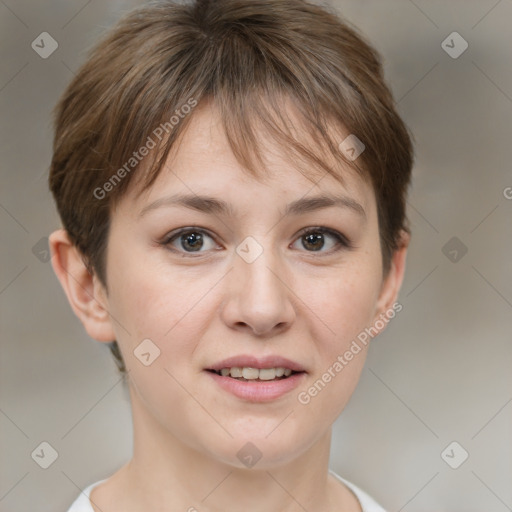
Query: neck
{"points": [[166, 474]]}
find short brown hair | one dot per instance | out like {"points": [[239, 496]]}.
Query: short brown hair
{"points": [[245, 56]]}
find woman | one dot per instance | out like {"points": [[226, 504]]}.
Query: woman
{"points": [[231, 177]]}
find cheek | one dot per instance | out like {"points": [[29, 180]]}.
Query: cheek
{"points": [[168, 306], [345, 305], [353, 306], [329, 391], [344, 301]]}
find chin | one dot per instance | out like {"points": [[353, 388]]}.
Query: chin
{"points": [[261, 450]]}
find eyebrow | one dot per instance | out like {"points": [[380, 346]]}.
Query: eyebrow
{"points": [[211, 205]]}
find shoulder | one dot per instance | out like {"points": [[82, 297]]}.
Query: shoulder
{"points": [[368, 504], [83, 503]]}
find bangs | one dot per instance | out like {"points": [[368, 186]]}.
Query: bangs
{"points": [[260, 124]]}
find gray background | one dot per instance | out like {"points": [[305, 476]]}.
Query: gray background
{"points": [[441, 372]]}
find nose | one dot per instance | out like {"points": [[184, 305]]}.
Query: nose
{"points": [[258, 297]]}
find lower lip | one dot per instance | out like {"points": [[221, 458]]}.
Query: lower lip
{"points": [[258, 391]]}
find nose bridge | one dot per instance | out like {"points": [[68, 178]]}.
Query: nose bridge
{"points": [[260, 296], [259, 277], [257, 271]]}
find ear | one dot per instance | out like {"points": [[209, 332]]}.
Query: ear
{"points": [[392, 283], [85, 293]]}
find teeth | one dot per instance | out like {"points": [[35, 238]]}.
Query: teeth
{"points": [[267, 373], [249, 373], [236, 372]]}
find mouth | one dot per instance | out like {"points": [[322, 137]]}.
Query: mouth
{"points": [[256, 379], [249, 374]]}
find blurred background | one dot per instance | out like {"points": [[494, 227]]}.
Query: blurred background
{"points": [[430, 426]]}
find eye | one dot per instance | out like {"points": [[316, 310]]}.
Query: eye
{"points": [[318, 238], [189, 240], [195, 240]]}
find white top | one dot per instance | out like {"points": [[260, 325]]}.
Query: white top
{"points": [[82, 503]]}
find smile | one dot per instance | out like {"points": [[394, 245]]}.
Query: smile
{"points": [[247, 373], [257, 379]]}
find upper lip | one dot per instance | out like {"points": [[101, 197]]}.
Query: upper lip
{"points": [[247, 361]]}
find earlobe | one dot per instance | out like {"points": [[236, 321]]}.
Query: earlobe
{"points": [[85, 293], [393, 281]]}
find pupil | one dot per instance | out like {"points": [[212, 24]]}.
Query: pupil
{"points": [[195, 241], [313, 239]]}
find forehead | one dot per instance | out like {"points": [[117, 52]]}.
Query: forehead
{"points": [[202, 162]]}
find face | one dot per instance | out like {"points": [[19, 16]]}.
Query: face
{"points": [[258, 276]]}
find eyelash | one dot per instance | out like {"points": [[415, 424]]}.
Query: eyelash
{"points": [[342, 242]]}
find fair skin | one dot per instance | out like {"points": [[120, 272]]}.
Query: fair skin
{"points": [[200, 307]]}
